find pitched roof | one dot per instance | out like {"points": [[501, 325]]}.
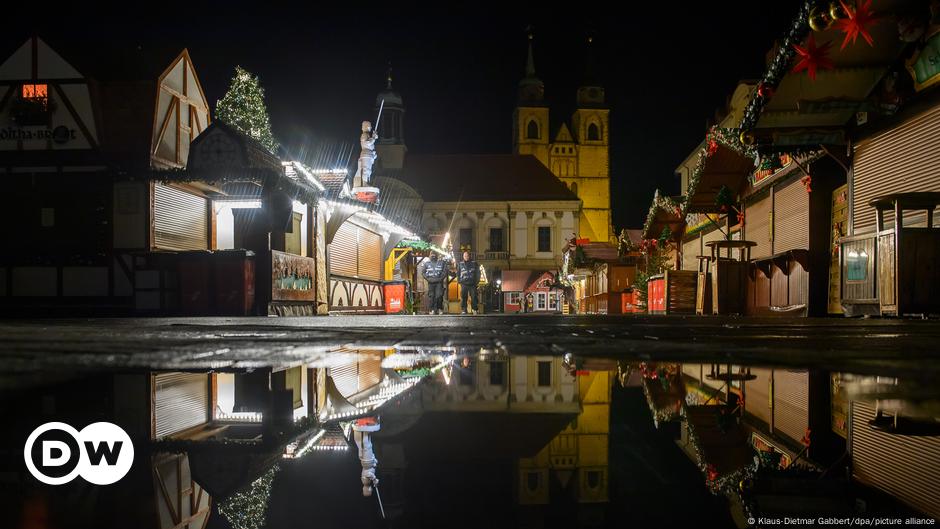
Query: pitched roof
{"points": [[480, 177]]}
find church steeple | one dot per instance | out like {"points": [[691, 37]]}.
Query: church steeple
{"points": [[391, 147], [530, 118], [531, 88], [590, 93]]}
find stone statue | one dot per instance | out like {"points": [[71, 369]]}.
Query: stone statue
{"points": [[366, 156]]}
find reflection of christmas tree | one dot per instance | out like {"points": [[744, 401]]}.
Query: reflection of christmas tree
{"points": [[243, 108]]}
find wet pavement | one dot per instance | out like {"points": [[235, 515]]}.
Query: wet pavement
{"points": [[875, 346]]}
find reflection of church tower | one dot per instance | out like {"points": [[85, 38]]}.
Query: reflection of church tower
{"points": [[530, 119], [578, 155], [391, 147]]}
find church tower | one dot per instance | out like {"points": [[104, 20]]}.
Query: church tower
{"points": [[590, 126], [530, 118], [391, 147]]}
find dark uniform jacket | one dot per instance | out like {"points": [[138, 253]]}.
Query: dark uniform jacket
{"points": [[468, 273], [435, 271]]}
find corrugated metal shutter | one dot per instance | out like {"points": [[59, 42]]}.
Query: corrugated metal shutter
{"points": [[791, 217], [903, 159], [343, 253], [757, 227], [757, 395], [346, 377], [370, 255], [714, 235], [179, 219], [791, 403], [370, 371], [181, 401], [690, 252], [905, 467]]}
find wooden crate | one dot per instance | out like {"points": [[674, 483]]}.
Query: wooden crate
{"points": [[673, 292]]}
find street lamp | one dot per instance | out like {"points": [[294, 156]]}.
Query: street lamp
{"points": [[499, 295]]}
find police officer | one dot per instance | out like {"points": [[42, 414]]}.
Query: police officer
{"points": [[468, 276], [435, 273]]}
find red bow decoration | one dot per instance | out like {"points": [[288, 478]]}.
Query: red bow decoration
{"points": [[807, 182], [712, 472], [805, 441], [856, 22], [740, 217], [712, 147], [812, 57]]}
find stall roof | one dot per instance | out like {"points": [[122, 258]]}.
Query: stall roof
{"points": [[726, 167], [665, 212], [803, 111]]}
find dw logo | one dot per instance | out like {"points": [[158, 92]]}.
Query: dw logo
{"points": [[55, 453]]}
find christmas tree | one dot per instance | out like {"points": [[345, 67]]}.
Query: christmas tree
{"points": [[243, 108]]}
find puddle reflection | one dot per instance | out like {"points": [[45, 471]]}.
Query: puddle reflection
{"points": [[470, 437]]}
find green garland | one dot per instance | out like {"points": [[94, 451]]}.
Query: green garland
{"points": [[248, 508], [663, 203], [778, 67]]}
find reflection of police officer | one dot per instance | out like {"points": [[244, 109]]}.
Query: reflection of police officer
{"points": [[435, 273]]}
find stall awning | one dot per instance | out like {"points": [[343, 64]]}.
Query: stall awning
{"points": [[662, 217], [725, 167]]}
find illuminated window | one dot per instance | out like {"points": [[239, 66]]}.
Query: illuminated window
{"points": [[36, 91], [856, 263], [32, 107]]}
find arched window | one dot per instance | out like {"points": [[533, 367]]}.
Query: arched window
{"points": [[532, 130], [574, 187], [594, 132]]}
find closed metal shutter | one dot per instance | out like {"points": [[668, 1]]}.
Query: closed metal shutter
{"points": [[714, 235], [690, 252], [791, 217], [346, 377], [370, 255], [791, 403], [757, 226], [370, 370], [181, 401], [179, 219], [903, 159], [343, 253], [905, 467], [757, 394]]}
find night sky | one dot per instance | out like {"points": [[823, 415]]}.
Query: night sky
{"points": [[666, 68]]}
